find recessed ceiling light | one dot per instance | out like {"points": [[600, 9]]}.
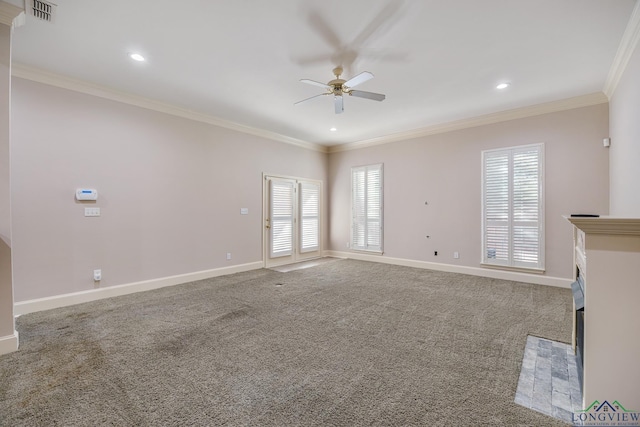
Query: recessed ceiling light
{"points": [[333, 129], [503, 86], [136, 57]]}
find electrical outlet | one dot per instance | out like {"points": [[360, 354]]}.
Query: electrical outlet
{"points": [[228, 256], [97, 275], [435, 253], [456, 255]]}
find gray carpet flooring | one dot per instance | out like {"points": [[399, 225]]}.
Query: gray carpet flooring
{"points": [[345, 343]]}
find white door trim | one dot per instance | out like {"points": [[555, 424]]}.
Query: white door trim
{"points": [[297, 255]]}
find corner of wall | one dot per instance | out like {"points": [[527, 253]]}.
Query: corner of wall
{"points": [[9, 343]]}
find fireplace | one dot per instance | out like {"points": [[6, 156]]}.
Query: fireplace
{"points": [[577, 289], [608, 248]]}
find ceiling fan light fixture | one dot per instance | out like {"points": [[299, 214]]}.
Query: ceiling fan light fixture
{"points": [[503, 86], [338, 103]]}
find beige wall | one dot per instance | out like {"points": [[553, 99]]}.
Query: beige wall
{"points": [[625, 142], [6, 290], [170, 191], [445, 171]]}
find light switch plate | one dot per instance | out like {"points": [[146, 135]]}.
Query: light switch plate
{"points": [[91, 211], [244, 211]]}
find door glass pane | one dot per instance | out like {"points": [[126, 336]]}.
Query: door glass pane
{"points": [[281, 218], [309, 217]]}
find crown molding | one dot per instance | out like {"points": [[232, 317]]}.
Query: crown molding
{"points": [[38, 75], [501, 116], [9, 13], [77, 85], [626, 48]]}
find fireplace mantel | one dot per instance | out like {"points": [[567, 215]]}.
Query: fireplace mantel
{"points": [[607, 225], [607, 254]]}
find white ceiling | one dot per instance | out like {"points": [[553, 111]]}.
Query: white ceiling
{"points": [[241, 60]]}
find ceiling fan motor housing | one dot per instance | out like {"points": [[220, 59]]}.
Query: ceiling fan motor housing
{"points": [[337, 83], [337, 86]]}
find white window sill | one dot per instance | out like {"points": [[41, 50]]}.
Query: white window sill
{"points": [[364, 251], [509, 268]]}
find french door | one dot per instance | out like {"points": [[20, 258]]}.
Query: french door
{"points": [[292, 220]]}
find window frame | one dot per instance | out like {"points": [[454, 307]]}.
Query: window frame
{"points": [[510, 263], [372, 249]]}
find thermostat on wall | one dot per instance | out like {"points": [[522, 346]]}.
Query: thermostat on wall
{"points": [[86, 194]]}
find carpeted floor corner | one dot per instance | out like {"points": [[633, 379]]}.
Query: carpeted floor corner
{"points": [[345, 343]]}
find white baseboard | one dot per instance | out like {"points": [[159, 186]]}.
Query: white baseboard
{"points": [[474, 271], [9, 343], [30, 306]]}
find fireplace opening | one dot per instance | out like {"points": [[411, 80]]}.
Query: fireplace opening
{"points": [[577, 288]]}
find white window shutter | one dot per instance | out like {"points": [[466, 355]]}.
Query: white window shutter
{"points": [[526, 206], [281, 218], [358, 227], [513, 207], [309, 217], [496, 208], [366, 208], [374, 208]]}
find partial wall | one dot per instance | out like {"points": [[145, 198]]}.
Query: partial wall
{"points": [[8, 334], [169, 192], [625, 142], [432, 186], [6, 290]]}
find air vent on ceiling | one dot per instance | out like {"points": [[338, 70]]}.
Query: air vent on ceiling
{"points": [[43, 10]]}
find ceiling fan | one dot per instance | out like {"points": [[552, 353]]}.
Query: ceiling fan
{"points": [[339, 87]]}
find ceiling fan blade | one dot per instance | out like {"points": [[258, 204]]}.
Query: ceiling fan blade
{"points": [[383, 21], [307, 99], [382, 55], [315, 83], [312, 60], [321, 26], [338, 101], [360, 78], [368, 95]]}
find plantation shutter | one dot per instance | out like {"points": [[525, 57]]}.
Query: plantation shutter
{"points": [[309, 217], [366, 207], [496, 208], [527, 177], [512, 207], [281, 217]]}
